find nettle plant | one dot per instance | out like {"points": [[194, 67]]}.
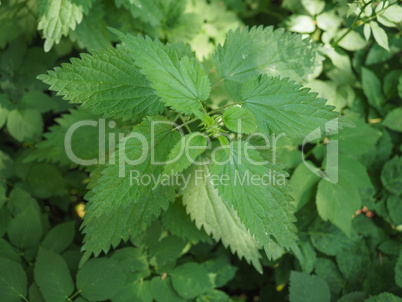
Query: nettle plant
{"points": [[200, 119]]}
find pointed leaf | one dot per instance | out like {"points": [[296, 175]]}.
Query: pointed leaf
{"points": [[265, 208], [181, 82], [208, 210], [281, 106], [106, 82], [52, 276]]}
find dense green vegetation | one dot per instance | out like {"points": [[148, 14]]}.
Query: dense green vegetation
{"points": [[293, 107]]}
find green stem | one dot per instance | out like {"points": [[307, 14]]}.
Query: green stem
{"points": [[23, 298], [354, 25], [176, 117], [224, 107], [217, 83], [209, 113], [70, 299], [357, 24], [184, 123]]}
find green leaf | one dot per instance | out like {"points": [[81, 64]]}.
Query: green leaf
{"points": [[353, 262], [251, 52], [149, 11], [4, 109], [128, 218], [108, 230], [44, 181], [20, 200], [6, 165], [309, 255], [357, 141], [106, 82], [25, 229], [60, 237], [393, 13], [208, 210], [384, 297], [220, 271], [353, 297], [24, 124], [364, 226], [300, 23], [13, 281], [353, 41], [137, 291], [35, 295], [389, 247], [85, 142], [8, 251], [308, 288], [16, 18], [281, 106], [56, 19], [185, 152], [100, 279], [176, 221], [327, 270], [367, 31], [5, 218], [266, 209], [339, 201], [327, 238], [163, 291], [379, 35], [91, 33], [239, 120], [391, 175], [391, 84], [134, 260], [214, 295], [166, 251], [303, 183], [181, 82], [52, 276], [37, 101], [393, 120], [398, 270], [190, 280], [394, 205], [122, 183], [372, 89], [3, 190]]}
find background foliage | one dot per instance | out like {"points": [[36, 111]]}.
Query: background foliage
{"points": [[349, 233]]}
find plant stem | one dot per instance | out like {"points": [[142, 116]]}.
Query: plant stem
{"points": [[184, 123], [224, 107], [209, 113], [354, 25], [23, 298], [70, 299], [217, 83], [357, 24]]}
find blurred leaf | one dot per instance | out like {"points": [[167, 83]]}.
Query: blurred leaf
{"points": [[379, 35], [52, 276], [60, 237], [190, 280], [391, 175], [308, 288], [393, 120], [13, 281], [100, 279]]}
